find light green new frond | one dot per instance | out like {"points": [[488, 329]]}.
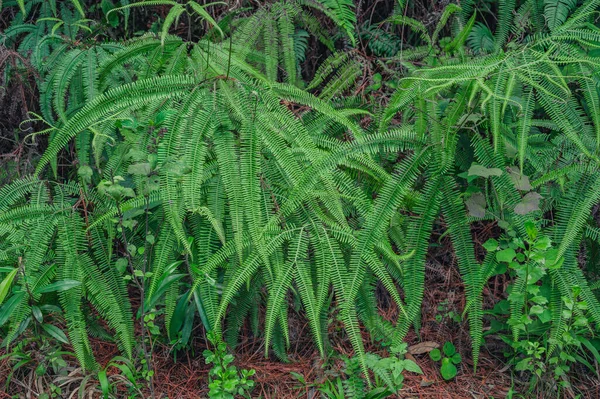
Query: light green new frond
{"points": [[448, 11], [173, 15]]}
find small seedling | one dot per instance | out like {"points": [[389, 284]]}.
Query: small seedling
{"points": [[225, 380], [448, 362], [444, 312]]}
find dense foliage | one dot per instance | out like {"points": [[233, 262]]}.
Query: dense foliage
{"points": [[233, 162]]}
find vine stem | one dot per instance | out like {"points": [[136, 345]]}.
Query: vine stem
{"points": [[141, 288]]}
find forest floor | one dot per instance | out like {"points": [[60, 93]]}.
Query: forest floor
{"points": [[185, 377], [493, 379]]}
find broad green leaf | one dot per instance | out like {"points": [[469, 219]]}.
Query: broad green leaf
{"points": [[449, 349], [456, 358], [55, 332], [435, 354], [506, 255], [482, 171], [6, 284], [545, 316], [104, 384], [62, 285], [490, 245], [520, 180], [9, 306], [531, 230], [536, 310], [476, 205], [448, 369], [529, 203], [411, 366], [142, 169], [121, 265], [37, 313]]}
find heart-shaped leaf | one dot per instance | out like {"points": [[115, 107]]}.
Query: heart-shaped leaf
{"points": [[506, 255], [520, 180], [490, 245], [476, 205], [435, 355], [449, 349], [529, 203], [448, 369]]}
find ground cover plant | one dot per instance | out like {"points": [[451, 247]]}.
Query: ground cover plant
{"points": [[407, 191]]}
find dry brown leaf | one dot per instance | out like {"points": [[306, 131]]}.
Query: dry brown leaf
{"points": [[423, 347], [425, 382]]}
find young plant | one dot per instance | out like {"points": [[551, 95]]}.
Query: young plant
{"points": [[548, 327], [449, 360], [445, 312], [225, 380], [388, 375]]}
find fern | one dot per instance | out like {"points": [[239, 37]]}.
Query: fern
{"points": [[212, 182], [342, 13], [557, 12]]}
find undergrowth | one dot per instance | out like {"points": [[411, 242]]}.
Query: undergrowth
{"points": [[208, 171]]}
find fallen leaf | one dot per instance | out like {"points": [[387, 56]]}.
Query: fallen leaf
{"points": [[423, 347], [426, 382]]}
